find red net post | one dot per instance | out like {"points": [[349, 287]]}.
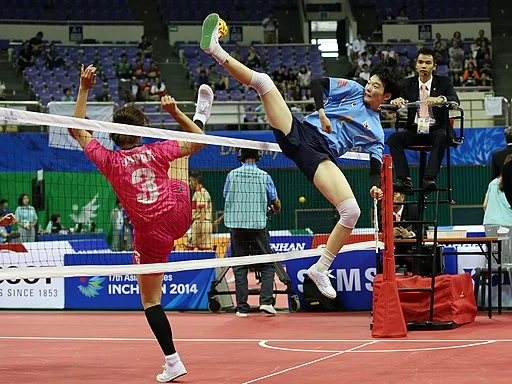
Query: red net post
{"points": [[388, 318]]}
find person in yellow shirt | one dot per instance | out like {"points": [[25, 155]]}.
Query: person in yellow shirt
{"points": [[201, 230]]}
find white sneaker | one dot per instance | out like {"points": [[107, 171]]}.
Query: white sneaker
{"points": [[205, 97], [241, 314], [268, 309], [171, 373], [210, 33], [322, 281]]}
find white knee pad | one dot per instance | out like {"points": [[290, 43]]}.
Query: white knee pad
{"points": [[261, 82], [349, 213]]}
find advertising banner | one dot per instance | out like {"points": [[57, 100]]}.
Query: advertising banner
{"points": [[185, 290], [33, 293]]}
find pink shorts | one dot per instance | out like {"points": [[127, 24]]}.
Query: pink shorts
{"points": [[154, 243]]}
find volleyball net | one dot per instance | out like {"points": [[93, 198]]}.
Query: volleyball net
{"points": [[70, 222]]}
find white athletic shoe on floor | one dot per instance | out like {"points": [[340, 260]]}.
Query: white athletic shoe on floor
{"points": [[241, 314], [204, 103], [268, 309], [210, 33], [322, 281], [171, 373]]}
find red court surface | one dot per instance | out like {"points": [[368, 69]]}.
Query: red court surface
{"points": [[118, 347]]}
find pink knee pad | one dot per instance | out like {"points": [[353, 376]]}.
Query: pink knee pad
{"points": [[349, 213]]}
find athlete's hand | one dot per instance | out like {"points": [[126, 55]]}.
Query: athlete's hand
{"points": [[87, 77], [376, 193], [324, 121], [399, 102], [169, 104]]}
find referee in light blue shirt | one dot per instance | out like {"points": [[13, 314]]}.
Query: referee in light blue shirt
{"points": [[248, 191]]}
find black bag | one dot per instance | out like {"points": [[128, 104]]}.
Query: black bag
{"points": [[317, 302]]}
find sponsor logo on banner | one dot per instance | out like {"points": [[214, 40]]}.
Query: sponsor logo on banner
{"points": [[91, 287], [33, 293], [180, 290]]}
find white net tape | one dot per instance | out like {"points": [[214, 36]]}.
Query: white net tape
{"points": [[95, 270]]}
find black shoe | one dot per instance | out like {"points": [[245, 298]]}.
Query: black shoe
{"points": [[429, 185], [403, 186]]}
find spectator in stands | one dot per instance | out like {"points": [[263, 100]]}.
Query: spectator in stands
{"points": [[388, 14], [153, 71], [456, 53], [485, 80], [270, 28], [138, 69], [358, 45], [482, 39], [158, 88], [439, 39], [419, 130], [456, 37], [217, 81], [365, 74], [245, 214], [498, 157], [133, 93], [364, 60], [389, 56], [145, 90], [485, 63], [25, 57], [53, 57], [55, 225], [482, 50], [124, 69], [253, 58], [304, 77], [457, 80], [117, 218], [456, 64], [237, 53], [4, 211], [37, 44], [409, 72], [203, 78], [471, 76], [67, 96], [291, 79], [310, 107], [440, 53], [469, 59], [201, 229], [26, 217], [279, 78], [145, 47]]}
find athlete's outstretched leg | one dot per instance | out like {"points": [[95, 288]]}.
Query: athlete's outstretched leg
{"points": [[151, 295], [278, 113], [331, 182]]}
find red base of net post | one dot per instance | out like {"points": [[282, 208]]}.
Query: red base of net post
{"points": [[388, 318]]}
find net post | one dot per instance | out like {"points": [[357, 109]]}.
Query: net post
{"points": [[388, 318]]}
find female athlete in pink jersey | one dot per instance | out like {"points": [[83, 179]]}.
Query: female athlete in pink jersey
{"points": [[156, 202]]}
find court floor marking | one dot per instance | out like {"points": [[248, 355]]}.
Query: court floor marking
{"points": [[264, 344], [234, 340], [310, 362]]}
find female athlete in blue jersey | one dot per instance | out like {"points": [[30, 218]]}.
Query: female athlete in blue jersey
{"points": [[349, 118]]}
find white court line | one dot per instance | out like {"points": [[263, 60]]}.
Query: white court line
{"points": [[309, 362], [264, 344]]}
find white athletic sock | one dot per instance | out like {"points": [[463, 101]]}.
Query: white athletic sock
{"points": [[172, 359], [219, 54], [325, 261]]}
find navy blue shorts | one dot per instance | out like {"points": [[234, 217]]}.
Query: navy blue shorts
{"points": [[305, 146]]}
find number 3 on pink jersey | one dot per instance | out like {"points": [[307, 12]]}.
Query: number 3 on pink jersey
{"points": [[145, 178]]}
